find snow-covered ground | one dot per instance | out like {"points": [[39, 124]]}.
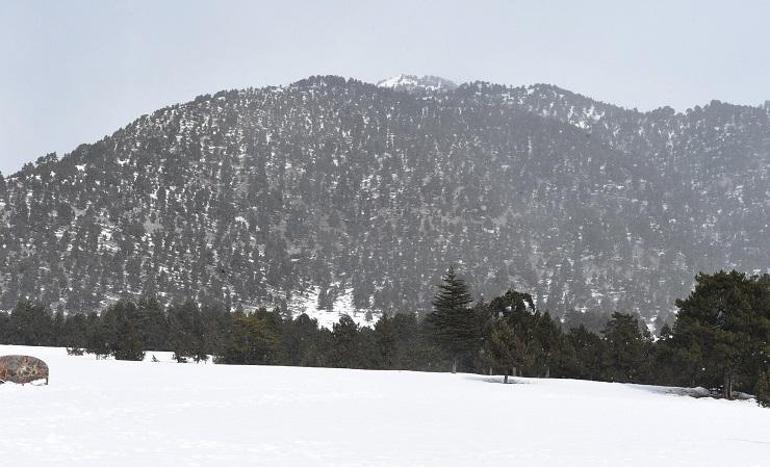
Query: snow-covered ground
{"points": [[307, 302], [97, 413]]}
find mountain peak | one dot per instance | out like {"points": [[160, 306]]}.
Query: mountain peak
{"points": [[411, 82]]}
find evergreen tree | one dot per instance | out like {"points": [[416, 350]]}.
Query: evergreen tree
{"points": [[499, 347], [5, 329], [124, 341], [215, 322], [57, 329], [518, 311], [583, 358], [722, 329], [385, 341], [593, 321], [186, 332], [452, 321], [346, 351], [31, 324], [152, 323], [369, 357], [626, 349], [301, 342], [251, 340], [548, 337], [96, 336], [75, 334], [762, 389]]}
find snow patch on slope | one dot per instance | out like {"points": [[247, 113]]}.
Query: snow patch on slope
{"points": [[412, 82], [308, 302]]}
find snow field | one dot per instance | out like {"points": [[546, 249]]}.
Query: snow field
{"points": [[104, 412]]}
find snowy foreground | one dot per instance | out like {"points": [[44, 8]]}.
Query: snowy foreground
{"points": [[101, 413]]}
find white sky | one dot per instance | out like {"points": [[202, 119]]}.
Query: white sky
{"points": [[71, 72]]}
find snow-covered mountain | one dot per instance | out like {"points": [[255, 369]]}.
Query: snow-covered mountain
{"points": [[351, 197], [403, 82]]}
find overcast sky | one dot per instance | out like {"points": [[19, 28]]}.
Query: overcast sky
{"points": [[73, 71]]}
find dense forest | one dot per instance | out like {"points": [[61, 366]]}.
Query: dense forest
{"points": [[719, 339], [362, 194]]}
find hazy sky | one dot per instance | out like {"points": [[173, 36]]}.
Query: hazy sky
{"points": [[73, 71]]}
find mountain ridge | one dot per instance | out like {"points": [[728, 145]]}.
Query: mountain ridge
{"points": [[406, 82], [322, 183]]}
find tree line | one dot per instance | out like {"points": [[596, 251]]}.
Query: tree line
{"points": [[719, 340]]}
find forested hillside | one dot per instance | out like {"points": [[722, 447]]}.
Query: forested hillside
{"points": [[360, 196]]}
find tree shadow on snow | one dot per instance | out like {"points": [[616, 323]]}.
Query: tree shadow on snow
{"points": [[495, 379], [697, 392]]}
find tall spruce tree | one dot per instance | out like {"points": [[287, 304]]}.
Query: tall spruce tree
{"points": [[452, 320]]}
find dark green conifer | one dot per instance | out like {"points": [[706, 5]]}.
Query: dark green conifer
{"points": [[722, 329], [499, 347], [452, 320], [626, 349], [762, 389]]}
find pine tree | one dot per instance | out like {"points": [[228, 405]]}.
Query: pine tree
{"points": [[549, 343], [152, 323], [452, 320], [499, 347], [585, 354], [722, 329], [385, 340], [762, 389], [626, 349], [124, 341], [346, 351], [31, 324], [74, 338], [96, 336], [298, 341], [518, 310], [185, 331], [252, 340]]}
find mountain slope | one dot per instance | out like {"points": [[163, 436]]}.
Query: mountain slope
{"points": [[359, 196]]}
